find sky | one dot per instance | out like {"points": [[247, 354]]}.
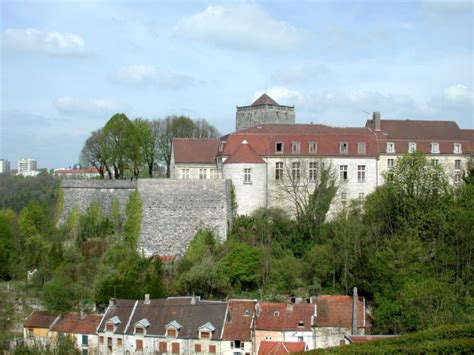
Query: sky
{"points": [[68, 66]]}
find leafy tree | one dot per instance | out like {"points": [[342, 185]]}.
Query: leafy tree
{"points": [[60, 294], [148, 132], [132, 225], [93, 154]]}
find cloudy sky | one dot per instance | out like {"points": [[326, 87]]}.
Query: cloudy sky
{"points": [[67, 66]]}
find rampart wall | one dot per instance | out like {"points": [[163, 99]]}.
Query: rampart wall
{"points": [[173, 210]]}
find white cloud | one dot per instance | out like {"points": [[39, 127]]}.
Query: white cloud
{"points": [[459, 93], [72, 106], [240, 26], [282, 95], [145, 75], [52, 43], [300, 73]]}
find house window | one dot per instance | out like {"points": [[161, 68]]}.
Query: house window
{"points": [[434, 148], [434, 162], [197, 348], [236, 344], [343, 148], [205, 335], [101, 340], [301, 323], [85, 352], [242, 345], [212, 349], [457, 179], [344, 196], [361, 148], [343, 172], [361, 173], [295, 170], [390, 163], [139, 344], [295, 147], [30, 332], [390, 147], [213, 174], [185, 174], [279, 147], [171, 332], [163, 347], [300, 339], [138, 330], [109, 342], [361, 196], [119, 342], [411, 147], [279, 171], [85, 340], [175, 348], [203, 174], [247, 176], [457, 164], [313, 171], [457, 148], [312, 147], [110, 327]]}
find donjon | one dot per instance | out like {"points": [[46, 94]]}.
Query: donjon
{"points": [[173, 210], [263, 110]]}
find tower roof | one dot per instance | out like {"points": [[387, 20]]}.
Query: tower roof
{"points": [[265, 100], [244, 154]]}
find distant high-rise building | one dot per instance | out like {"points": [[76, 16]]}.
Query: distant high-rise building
{"points": [[27, 167], [4, 166]]}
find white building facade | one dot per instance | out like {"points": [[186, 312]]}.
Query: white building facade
{"points": [[4, 166], [27, 167]]}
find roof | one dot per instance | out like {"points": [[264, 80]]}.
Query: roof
{"points": [[244, 154], [366, 338], [40, 319], [72, 323], [90, 170], [192, 150], [121, 309], [285, 317], [240, 318], [336, 311], [277, 347], [190, 317], [264, 100], [469, 136]]}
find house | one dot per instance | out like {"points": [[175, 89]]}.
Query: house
{"points": [[238, 327], [82, 327], [86, 173], [280, 348], [36, 327]]}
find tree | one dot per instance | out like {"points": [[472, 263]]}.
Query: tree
{"points": [[92, 154], [60, 294], [132, 225], [148, 132]]}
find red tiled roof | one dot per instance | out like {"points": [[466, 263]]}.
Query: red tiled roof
{"points": [[244, 154], [239, 320], [366, 338], [265, 100], [283, 316], [72, 323], [468, 134], [336, 311], [40, 319], [90, 170], [278, 348], [192, 150]]}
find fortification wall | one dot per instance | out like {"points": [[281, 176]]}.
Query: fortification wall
{"points": [[173, 210]]}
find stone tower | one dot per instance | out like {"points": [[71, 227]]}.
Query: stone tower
{"points": [[263, 110]]}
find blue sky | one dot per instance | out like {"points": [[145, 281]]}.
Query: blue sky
{"points": [[67, 66]]}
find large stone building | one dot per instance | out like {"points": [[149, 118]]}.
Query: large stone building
{"points": [[274, 162]]}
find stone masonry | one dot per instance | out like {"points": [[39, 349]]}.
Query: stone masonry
{"points": [[173, 210]]}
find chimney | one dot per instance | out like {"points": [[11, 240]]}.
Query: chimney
{"points": [[193, 300], [376, 121], [355, 299], [289, 307], [82, 314], [112, 302], [147, 298]]}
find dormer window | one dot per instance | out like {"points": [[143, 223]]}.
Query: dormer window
{"points": [[435, 148], [343, 148], [172, 329], [109, 327], [361, 148], [279, 147], [390, 147], [411, 147], [112, 324], [312, 147], [301, 323], [205, 335], [246, 313], [295, 147], [141, 326], [138, 330], [276, 314], [171, 332], [457, 148], [206, 330]]}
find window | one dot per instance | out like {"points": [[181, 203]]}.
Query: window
{"points": [[434, 148], [390, 147], [361, 173], [205, 335], [139, 344], [110, 327], [313, 171], [203, 174], [247, 176], [30, 332], [237, 344], [344, 196], [85, 340], [197, 348], [185, 174], [246, 313], [109, 342], [295, 170], [457, 179], [242, 345], [361, 148], [295, 147], [343, 148], [101, 340], [171, 332], [457, 164], [300, 339], [343, 172], [212, 349], [312, 147], [434, 162], [119, 342], [276, 314], [361, 196], [139, 330], [279, 147], [175, 348], [163, 347], [279, 171], [390, 163], [213, 174], [85, 352], [411, 147], [457, 148], [301, 323]]}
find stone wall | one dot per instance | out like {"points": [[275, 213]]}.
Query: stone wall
{"points": [[249, 116], [173, 210]]}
